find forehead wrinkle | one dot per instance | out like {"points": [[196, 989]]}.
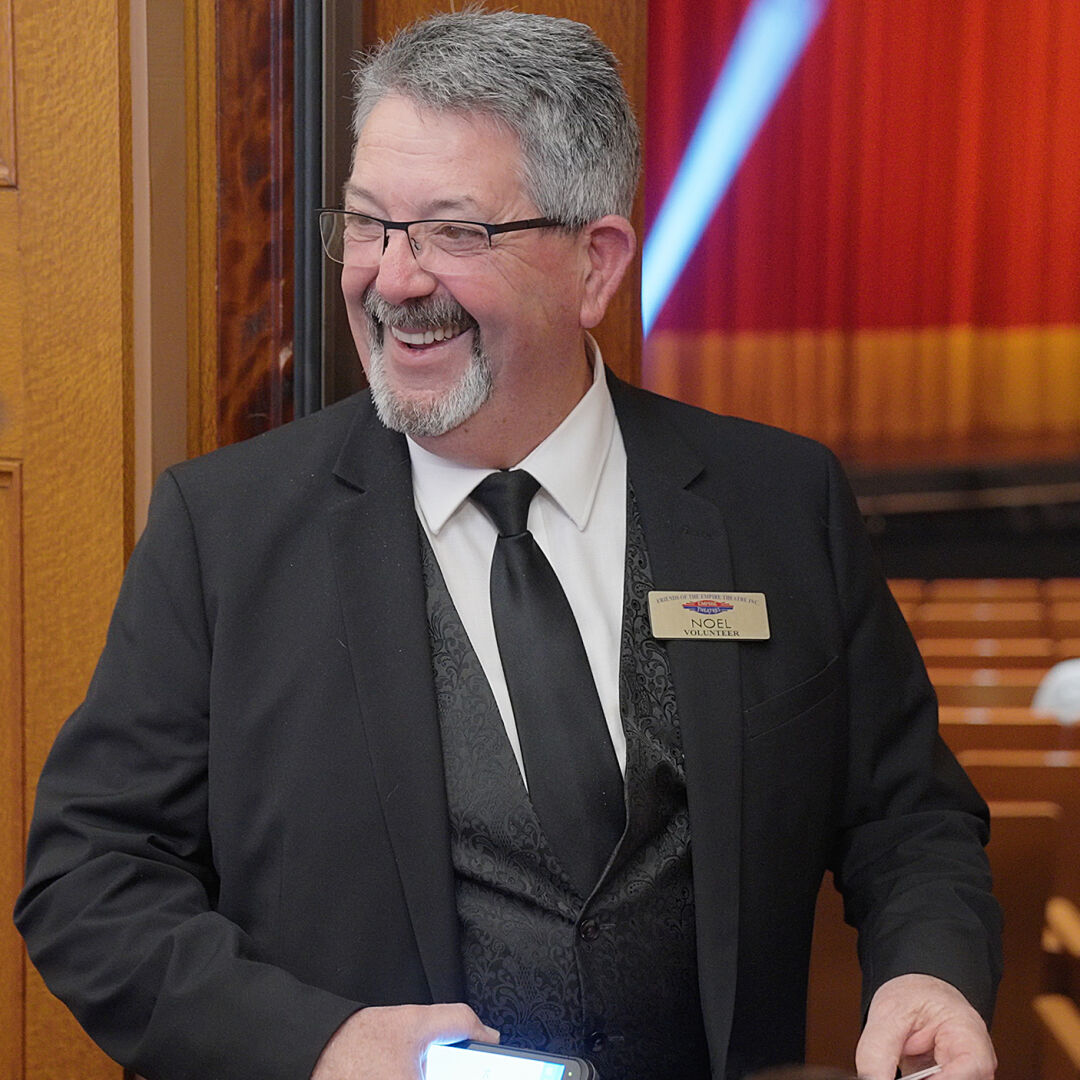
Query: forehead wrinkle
{"points": [[458, 204]]}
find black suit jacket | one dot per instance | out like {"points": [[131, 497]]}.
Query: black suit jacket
{"points": [[241, 836]]}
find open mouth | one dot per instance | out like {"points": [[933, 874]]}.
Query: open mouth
{"points": [[419, 324], [421, 338]]}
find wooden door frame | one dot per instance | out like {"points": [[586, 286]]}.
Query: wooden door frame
{"points": [[240, 189]]}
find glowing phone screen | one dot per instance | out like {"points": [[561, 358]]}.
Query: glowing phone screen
{"points": [[459, 1063]]}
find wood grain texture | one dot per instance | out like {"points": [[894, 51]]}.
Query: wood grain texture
{"points": [[75, 425], [255, 238], [11, 376], [11, 765], [200, 75], [622, 27], [8, 172]]}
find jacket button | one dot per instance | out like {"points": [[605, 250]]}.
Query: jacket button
{"points": [[589, 930], [597, 1041]]}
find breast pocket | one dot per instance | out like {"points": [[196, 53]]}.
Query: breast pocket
{"points": [[791, 704], [792, 774]]}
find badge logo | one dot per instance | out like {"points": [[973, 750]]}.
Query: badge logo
{"points": [[709, 607]]}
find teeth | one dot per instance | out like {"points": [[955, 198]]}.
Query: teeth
{"points": [[425, 337]]}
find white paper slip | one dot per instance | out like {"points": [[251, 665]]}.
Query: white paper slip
{"points": [[922, 1074], [708, 615]]}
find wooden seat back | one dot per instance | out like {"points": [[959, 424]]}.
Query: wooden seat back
{"points": [[975, 589], [981, 619], [1037, 653], [1046, 775], [1024, 838], [907, 590], [1064, 619], [1059, 1010], [1005, 728], [985, 686]]}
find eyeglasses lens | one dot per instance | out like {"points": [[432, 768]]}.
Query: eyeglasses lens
{"points": [[360, 241]]}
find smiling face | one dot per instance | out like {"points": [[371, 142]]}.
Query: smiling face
{"points": [[482, 362]]}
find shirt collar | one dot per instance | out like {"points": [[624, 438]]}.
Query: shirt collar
{"points": [[568, 463]]}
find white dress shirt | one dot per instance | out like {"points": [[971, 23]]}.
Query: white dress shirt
{"points": [[578, 518]]}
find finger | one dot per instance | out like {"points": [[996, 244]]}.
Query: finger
{"points": [[879, 1049]]}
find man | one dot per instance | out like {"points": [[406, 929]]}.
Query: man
{"points": [[306, 821]]}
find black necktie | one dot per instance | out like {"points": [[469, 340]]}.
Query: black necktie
{"points": [[570, 765]]}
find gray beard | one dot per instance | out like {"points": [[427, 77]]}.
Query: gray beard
{"points": [[437, 415]]}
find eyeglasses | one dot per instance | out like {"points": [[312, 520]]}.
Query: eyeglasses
{"points": [[359, 240]]}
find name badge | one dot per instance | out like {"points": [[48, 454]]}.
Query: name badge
{"points": [[736, 616]]}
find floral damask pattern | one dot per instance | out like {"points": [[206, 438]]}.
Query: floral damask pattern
{"points": [[611, 976]]}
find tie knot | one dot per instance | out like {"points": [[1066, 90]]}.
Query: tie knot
{"points": [[506, 497]]}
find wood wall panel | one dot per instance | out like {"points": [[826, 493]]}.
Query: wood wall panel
{"points": [[72, 430], [201, 83], [7, 98], [11, 767], [11, 376]]}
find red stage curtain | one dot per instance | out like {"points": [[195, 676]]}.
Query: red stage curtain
{"points": [[898, 259]]}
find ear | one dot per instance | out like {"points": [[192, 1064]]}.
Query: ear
{"points": [[609, 244]]}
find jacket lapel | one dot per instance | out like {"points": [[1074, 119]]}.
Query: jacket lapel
{"points": [[688, 548], [375, 540]]}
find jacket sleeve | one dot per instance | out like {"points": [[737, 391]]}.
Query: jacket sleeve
{"points": [[118, 908], [911, 862]]}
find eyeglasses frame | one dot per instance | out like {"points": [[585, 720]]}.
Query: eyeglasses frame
{"points": [[404, 226]]}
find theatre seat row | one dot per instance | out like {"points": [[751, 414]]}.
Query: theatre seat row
{"points": [[918, 590], [992, 648], [987, 644], [1057, 620], [1028, 768]]}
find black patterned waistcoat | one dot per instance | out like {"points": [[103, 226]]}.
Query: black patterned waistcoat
{"points": [[613, 976]]}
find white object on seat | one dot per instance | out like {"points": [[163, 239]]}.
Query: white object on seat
{"points": [[1059, 692]]}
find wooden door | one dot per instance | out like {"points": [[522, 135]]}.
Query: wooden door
{"points": [[65, 505]]}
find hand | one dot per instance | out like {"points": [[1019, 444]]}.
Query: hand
{"points": [[915, 1021], [390, 1042]]}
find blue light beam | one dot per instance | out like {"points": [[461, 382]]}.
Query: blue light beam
{"points": [[770, 41]]}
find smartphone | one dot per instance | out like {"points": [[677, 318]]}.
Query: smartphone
{"points": [[487, 1061]]}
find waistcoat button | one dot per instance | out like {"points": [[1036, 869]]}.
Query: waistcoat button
{"points": [[589, 930]]}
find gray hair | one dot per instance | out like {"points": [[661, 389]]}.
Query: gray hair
{"points": [[550, 81]]}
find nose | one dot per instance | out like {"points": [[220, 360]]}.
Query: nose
{"points": [[400, 277]]}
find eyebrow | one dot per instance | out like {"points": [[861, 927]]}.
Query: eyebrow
{"points": [[356, 192]]}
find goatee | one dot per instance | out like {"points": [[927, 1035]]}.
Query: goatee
{"points": [[429, 415]]}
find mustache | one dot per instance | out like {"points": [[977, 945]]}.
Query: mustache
{"points": [[423, 313]]}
